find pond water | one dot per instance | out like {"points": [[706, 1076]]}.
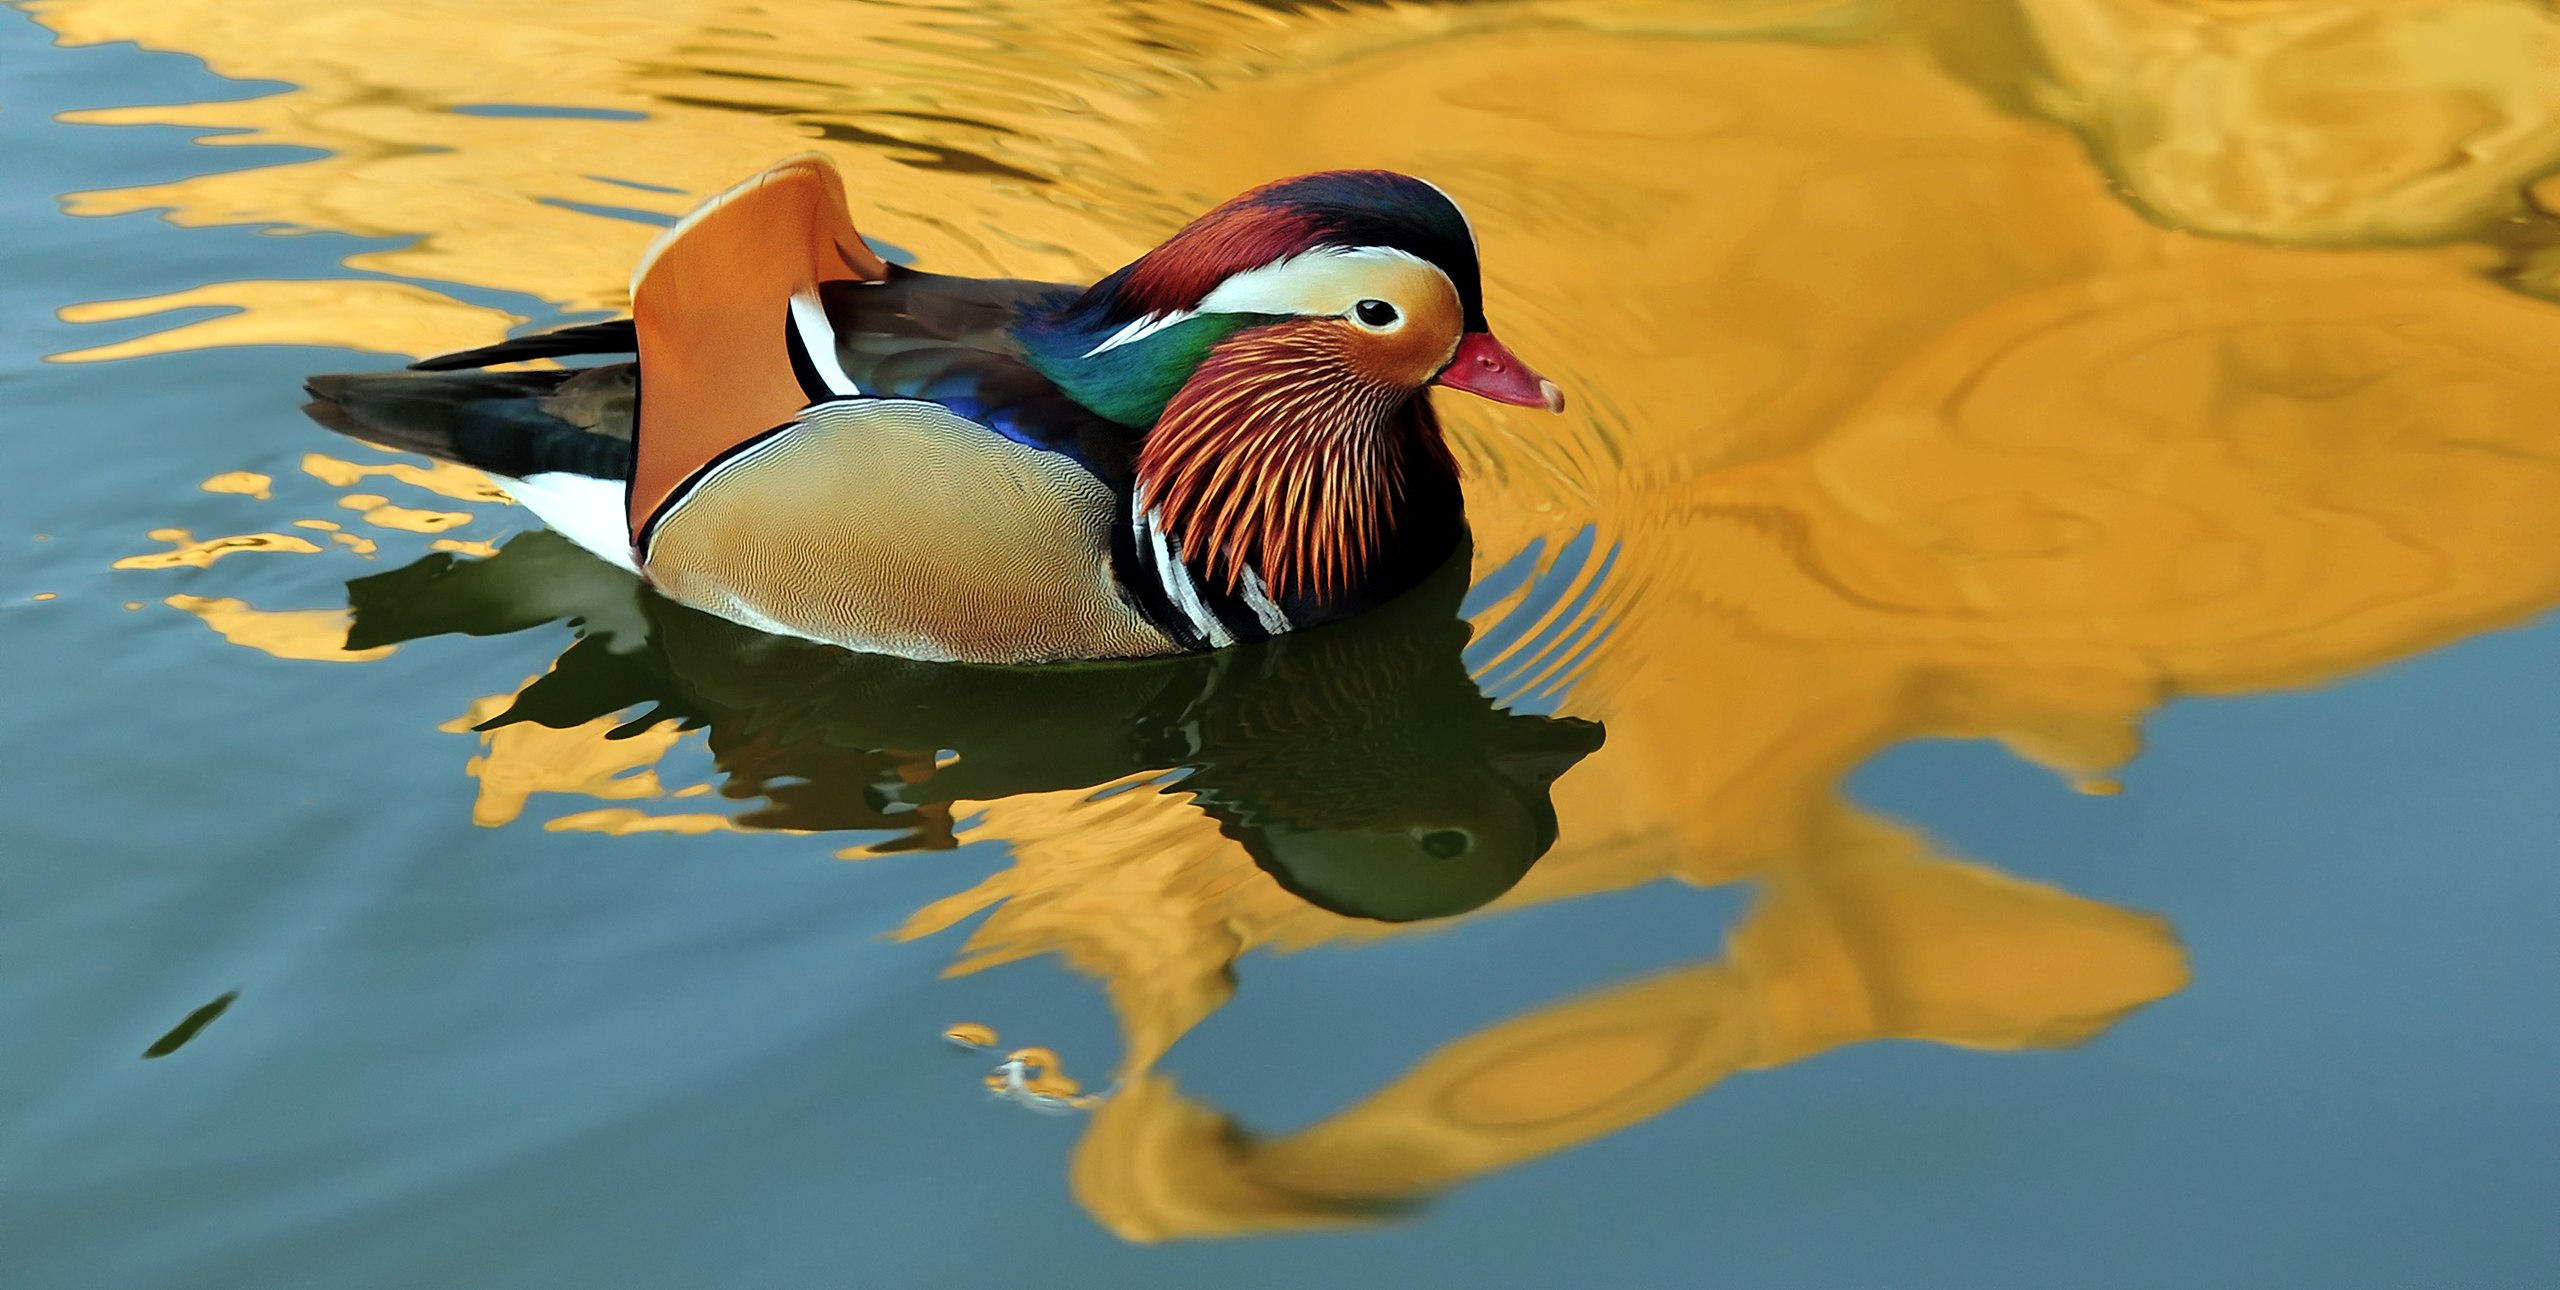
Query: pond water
{"points": [[2006, 740]]}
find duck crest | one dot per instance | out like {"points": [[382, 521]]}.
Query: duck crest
{"points": [[1339, 208], [1278, 461]]}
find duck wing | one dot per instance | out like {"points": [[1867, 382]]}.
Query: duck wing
{"points": [[766, 301], [615, 337], [949, 340]]}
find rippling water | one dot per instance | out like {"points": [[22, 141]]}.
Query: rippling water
{"points": [[1958, 387]]}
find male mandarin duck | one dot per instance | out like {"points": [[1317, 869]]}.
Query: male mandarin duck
{"points": [[1225, 440]]}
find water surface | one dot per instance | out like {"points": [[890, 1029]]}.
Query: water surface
{"points": [[2004, 742]]}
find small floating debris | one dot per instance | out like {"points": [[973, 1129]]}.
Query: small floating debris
{"points": [[187, 1029], [1032, 1077], [2098, 786], [971, 1035]]}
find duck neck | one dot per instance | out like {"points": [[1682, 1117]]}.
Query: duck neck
{"points": [[1128, 371], [1278, 461]]}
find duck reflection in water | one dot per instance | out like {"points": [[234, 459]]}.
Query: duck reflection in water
{"points": [[1359, 765]]}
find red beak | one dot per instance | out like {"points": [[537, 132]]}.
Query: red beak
{"points": [[1487, 367]]}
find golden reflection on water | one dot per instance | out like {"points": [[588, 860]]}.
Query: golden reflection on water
{"points": [[379, 512], [2340, 122], [1990, 369], [384, 317], [317, 635], [521, 760], [314, 634], [247, 483], [442, 478], [185, 552]]}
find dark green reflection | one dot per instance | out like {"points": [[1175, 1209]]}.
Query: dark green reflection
{"points": [[1358, 764]]}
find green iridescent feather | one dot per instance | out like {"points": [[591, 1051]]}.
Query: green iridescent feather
{"points": [[1131, 383]]}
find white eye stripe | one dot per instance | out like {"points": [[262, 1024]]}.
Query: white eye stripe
{"points": [[1308, 283]]}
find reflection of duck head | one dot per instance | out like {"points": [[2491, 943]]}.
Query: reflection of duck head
{"points": [[1368, 774], [1357, 763]]}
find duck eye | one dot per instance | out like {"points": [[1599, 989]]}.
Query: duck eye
{"points": [[1447, 844], [1375, 313]]}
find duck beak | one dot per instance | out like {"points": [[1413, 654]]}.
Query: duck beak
{"points": [[1487, 367]]}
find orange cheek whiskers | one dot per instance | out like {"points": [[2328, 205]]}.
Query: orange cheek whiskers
{"points": [[1278, 457]]}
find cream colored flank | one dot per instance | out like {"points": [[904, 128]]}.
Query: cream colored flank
{"points": [[897, 526]]}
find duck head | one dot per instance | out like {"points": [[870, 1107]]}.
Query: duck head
{"points": [[1277, 350]]}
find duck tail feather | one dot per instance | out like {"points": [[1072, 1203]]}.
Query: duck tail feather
{"points": [[500, 422], [615, 337]]}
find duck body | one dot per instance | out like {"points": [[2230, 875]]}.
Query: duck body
{"points": [[815, 443]]}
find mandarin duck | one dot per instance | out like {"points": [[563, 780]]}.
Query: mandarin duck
{"points": [[1225, 440], [1360, 767]]}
